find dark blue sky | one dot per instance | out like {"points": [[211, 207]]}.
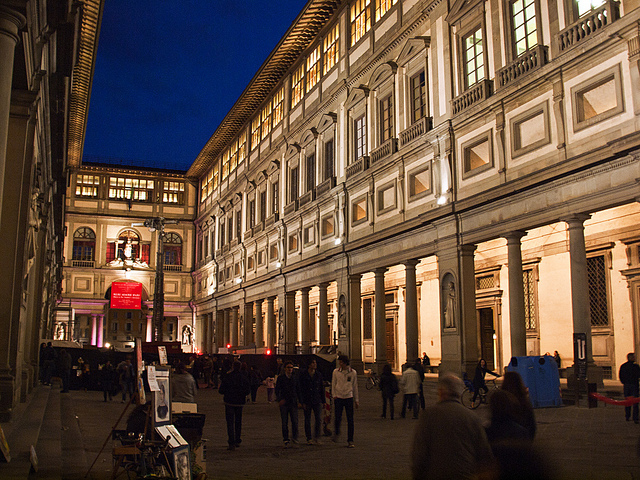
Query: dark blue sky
{"points": [[168, 71]]}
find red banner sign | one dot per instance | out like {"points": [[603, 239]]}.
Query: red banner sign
{"points": [[126, 295]]}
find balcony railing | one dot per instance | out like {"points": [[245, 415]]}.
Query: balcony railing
{"points": [[387, 149], [524, 64], [325, 186], [588, 25], [358, 166], [172, 268], [83, 263], [416, 130], [475, 94]]}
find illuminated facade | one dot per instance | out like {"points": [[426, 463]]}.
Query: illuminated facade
{"points": [[107, 242], [415, 176]]}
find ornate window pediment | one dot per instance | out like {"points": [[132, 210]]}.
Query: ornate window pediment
{"points": [[309, 137], [251, 186], [357, 95], [461, 8], [383, 73], [293, 150], [327, 121], [261, 177], [273, 167], [412, 48]]}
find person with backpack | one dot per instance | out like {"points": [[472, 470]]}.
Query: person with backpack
{"points": [[390, 388]]}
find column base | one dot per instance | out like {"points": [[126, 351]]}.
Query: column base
{"points": [[358, 366], [7, 393], [594, 375]]}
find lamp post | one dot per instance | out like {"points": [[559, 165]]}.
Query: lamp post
{"points": [[157, 225]]}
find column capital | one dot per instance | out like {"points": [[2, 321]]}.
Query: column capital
{"points": [[305, 290], [412, 262], [289, 294], [576, 221], [380, 271], [355, 277], [467, 249], [10, 22], [324, 285], [514, 236], [259, 301]]}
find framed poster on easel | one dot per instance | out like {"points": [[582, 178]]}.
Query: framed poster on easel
{"points": [[162, 398]]}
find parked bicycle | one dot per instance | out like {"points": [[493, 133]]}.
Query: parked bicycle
{"points": [[469, 391], [373, 380]]}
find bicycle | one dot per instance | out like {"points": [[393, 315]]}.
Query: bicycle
{"points": [[373, 381], [469, 391]]}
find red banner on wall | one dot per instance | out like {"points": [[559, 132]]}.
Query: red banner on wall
{"points": [[126, 295]]}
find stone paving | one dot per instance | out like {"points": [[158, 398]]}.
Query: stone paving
{"points": [[581, 443]]}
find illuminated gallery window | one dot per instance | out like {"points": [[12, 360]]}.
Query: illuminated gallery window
{"points": [[293, 243], [278, 107], [266, 121], [138, 189], [530, 130], [255, 132], [477, 155], [525, 28], [587, 6], [309, 236], [330, 48], [386, 197], [597, 99], [297, 84], [360, 20], [419, 182], [173, 192], [327, 226], [359, 211], [87, 185], [383, 6], [313, 68], [473, 57]]}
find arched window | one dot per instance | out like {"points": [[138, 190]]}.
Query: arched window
{"points": [[128, 247], [84, 244], [172, 247]]}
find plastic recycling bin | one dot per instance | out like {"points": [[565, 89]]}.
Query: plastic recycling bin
{"points": [[540, 376]]}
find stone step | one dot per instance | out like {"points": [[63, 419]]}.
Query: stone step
{"points": [[49, 446]]}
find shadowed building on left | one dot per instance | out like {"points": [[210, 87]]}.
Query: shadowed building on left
{"points": [[47, 57]]}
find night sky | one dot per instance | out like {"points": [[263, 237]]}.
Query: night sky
{"points": [[167, 72]]}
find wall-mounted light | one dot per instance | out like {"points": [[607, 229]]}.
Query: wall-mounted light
{"points": [[238, 280], [442, 200], [278, 264], [338, 241]]}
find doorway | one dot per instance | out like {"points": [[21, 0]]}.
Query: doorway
{"points": [[390, 328], [487, 332]]}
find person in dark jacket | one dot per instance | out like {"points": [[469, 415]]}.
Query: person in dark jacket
{"points": [[512, 383], [64, 368], [288, 397], [390, 388], [107, 377], [49, 363], [255, 379], [312, 399], [629, 374], [234, 388], [478, 378]]}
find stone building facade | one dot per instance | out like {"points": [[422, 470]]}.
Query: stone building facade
{"points": [[107, 241], [417, 176], [47, 53]]}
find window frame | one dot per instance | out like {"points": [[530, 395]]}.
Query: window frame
{"points": [[463, 61], [359, 28], [517, 149], [468, 145], [613, 73], [355, 203], [425, 167]]}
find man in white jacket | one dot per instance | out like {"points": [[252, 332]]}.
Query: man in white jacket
{"points": [[411, 386], [344, 390]]}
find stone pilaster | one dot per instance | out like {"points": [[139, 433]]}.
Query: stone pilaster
{"points": [[380, 320], [411, 311], [516, 295], [323, 312]]}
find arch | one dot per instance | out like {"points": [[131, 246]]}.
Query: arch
{"points": [[84, 245]]}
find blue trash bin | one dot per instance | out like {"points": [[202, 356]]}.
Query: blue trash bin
{"points": [[540, 375]]}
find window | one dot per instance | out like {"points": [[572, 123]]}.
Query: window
{"points": [[233, 156], [293, 242], [221, 234], [328, 159], [309, 236], [386, 118], [206, 187], [386, 198], [327, 226], [242, 148], [173, 192], [273, 252], [598, 298], [477, 155], [250, 263], [261, 258], [597, 99], [525, 30], [84, 244], [311, 171], [530, 130], [238, 224], [265, 123], [87, 185], [251, 213], [418, 103], [367, 318], [330, 49], [278, 107], [360, 127], [205, 245], [359, 211], [128, 327], [138, 189], [230, 227], [274, 197], [586, 6], [313, 68], [293, 184], [263, 206], [383, 6], [255, 132], [530, 310], [297, 83], [473, 58], [419, 182], [225, 164], [360, 20]]}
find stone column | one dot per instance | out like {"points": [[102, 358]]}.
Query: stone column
{"points": [[219, 333], [226, 326], [94, 330], [248, 323], [411, 311], [323, 312], [100, 341], [355, 323], [579, 282], [233, 334], [291, 322], [10, 23], [380, 320], [516, 295], [304, 317], [259, 324], [271, 324], [149, 328], [467, 300]]}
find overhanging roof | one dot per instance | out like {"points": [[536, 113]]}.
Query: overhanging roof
{"points": [[301, 33]]}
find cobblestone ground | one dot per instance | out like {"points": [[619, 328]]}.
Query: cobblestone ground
{"points": [[582, 443]]}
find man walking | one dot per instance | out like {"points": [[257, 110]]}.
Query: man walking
{"points": [[449, 441], [629, 375], [344, 390], [234, 388], [288, 397], [312, 397], [411, 384]]}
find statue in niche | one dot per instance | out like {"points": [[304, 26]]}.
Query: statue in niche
{"points": [[60, 331], [450, 305], [280, 327], [342, 317], [187, 335]]}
